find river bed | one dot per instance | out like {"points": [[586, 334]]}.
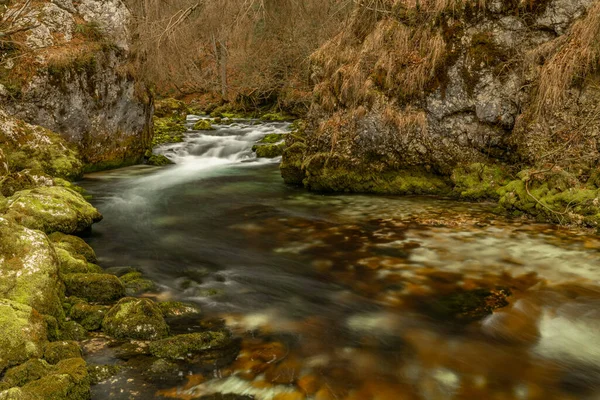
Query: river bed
{"points": [[349, 296]]}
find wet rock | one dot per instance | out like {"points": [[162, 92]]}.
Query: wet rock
{"points": [[135, 283], [74, 245], [100, 373], [132, 349], [172, 309], [29, 371], [469, 306], [193, 345], [29, 269], [134, 318], [73, 264], [62, 350], [96, 288], [170, 107], [88, 315], [163, 371], [22, 334], [52, 209], [120, 271]]}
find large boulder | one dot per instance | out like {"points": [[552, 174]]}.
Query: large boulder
{"points": [[35, 148], [52, 209], [134, 318], [22, 334], [29, 268]]}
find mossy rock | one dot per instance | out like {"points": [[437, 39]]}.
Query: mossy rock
{"points": [[135, 283], [72, 264], [29, 371], [74, 245], [172, 309], [22, 180], [22, 334], [273, 138], [170, 107], [135, 318], [168, 130], [291, 163], [100, 373], [96, 288], [62, 350], [29, 269], [72, 186], [88, 315], [3, 164], [158, 160], [552, 196], [71, 330], [203, 125], [69, 380], [181, 347], [52, 327], [478, 181], [52, 209], [226, 396], [37, 149], [276, 117], [269, 150], [163, 371]]}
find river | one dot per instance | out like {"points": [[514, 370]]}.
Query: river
{"points": [[349, 296]]}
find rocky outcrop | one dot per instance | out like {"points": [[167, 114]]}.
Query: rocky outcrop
{"points": [[406, 98], [79, 82]]}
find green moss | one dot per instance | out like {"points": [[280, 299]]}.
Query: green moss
{"points": [[478, 181], [269, 150], [57, 351], [98, 288], [135, 283], [88, 315], [22, 334], [277, 117], [134, 318], [29, 371], [29, 272], [183, 346], [69, 380], [100, 373], [52, 209], [168, 130], [71, 264], [72, 186], [171, 108], [71, 330], [203, 125], [272, 138], [554, 196], [158, 160], [74, 245], [172, 309], [52, 327], [112, 163]]}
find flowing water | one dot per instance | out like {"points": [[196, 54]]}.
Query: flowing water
{"points": [[349, 296]]}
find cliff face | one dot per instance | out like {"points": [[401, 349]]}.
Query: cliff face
{"points": [[412, 96], [70, 74]]}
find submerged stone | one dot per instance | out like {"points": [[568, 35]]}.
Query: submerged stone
{"points": [[29, 269], [22, 334], [135, 283], [469, 306], [159, 160], [100, 373], [52, 209], [98, 288], [62, 350], [203, 125], [134, 318]]}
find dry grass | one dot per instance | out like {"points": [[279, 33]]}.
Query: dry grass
{"points": [[577, 55]]}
